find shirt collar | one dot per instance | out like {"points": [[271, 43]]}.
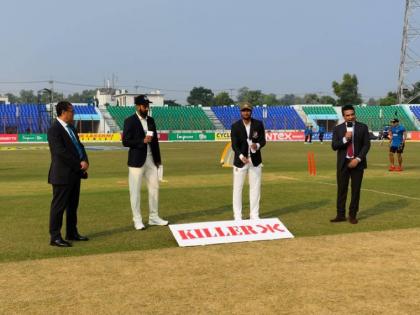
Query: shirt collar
{"points": [[63, 123]]}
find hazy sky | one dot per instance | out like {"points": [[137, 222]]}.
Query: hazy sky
{"points": [[277, 46]]}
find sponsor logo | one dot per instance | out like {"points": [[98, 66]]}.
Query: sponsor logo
{"points": [[414, 135], [101, 137], [227, 231], [163, 136], [8, 138], [184, 137], [205, 233], [222, 136], [285, 136]]}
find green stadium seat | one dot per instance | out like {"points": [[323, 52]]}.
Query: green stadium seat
{"points": [[168, 118], [319, 110], [370, 115]]}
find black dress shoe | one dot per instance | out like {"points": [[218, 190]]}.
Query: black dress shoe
{"points": [[353, 220], [338, 219], [77, 237], [60, 243]]}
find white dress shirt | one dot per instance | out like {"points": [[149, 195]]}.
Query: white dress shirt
{"points": [[143, 122]]}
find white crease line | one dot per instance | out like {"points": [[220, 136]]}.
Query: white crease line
{"points": [[377, 191], [396, 195], [364, 189]]}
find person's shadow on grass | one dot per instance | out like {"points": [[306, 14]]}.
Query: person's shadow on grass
{"points": [[304, 206], [188, 216], [383, 207], [113, 231], [226, 210]]}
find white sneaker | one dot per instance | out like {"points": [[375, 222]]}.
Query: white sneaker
{"points": [[157, 221], [138, 225]]}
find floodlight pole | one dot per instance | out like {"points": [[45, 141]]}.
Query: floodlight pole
{"points": [[409, 58]]}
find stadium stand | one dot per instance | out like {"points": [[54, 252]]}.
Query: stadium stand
{"points": [[320, 115], [168, 117], [276, 117], [34, 118], [120, 113], [227, 115], [371, 115], [415, 109], [24, 118], [319, 110], [85, 113], [84, 110], [86, 118], [181, 118]]}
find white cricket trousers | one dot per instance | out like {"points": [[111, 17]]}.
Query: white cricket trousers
{"points": [[254, 177], [135, 175]]}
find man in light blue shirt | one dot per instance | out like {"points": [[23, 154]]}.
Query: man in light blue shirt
{"points": [[321, 132], [308, 134], [398, 135]]}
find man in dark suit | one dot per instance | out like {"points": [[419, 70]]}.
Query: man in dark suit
{"points": [[69, 163], [352, 143], [141, 137], [248, 137]]}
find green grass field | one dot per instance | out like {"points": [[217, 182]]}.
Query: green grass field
{"points": [[197, 189]]}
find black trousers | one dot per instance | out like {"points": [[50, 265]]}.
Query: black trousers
{"points": [[65, 197], [343, 177]]}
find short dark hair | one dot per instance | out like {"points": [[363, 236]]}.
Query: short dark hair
{"points": [[347, 107], [62, 106]]}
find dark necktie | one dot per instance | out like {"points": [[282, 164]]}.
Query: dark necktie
{"points": [[75, 142], [350, 152]]}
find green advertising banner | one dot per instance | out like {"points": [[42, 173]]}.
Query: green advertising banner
{"points": [[191, 136], [40, 137]]}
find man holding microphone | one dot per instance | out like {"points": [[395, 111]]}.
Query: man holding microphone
{"points": [[141, 137], [351, 141]]}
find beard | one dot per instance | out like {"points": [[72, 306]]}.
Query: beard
{"points": [[143, 114]]}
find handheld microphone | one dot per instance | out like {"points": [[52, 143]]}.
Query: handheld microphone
{"points": [[349, 126]]}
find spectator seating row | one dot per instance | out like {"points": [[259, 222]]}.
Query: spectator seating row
{"points": [[34, 118], [24, 118], [415, 109], [168, 118], [84, 110], [378, 116], [120, 114], [274, 117], [181, 118], [319, 110]]}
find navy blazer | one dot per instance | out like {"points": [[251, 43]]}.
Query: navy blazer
{"points": [[361, 144], [65, 160], [240, 144], [133, 138]]}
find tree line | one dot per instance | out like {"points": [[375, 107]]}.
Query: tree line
{"points": [[346, 92], [29, 97]]}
